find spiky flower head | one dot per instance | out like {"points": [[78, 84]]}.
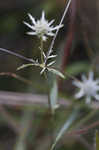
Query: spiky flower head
{"points": [[41, 28], [88, 87]]}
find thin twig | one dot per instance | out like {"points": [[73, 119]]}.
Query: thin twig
{"points": [[16, 77], [54, 38], [85, 129], [17, 55]]}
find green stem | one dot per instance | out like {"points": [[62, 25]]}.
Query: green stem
{"points": [[49, 102], [45, 75], [42, 60]]}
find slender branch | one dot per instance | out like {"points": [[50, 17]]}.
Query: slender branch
{"points": [[16, 77], [17, 55], [69, 34], [85, 129], [54, 38]]}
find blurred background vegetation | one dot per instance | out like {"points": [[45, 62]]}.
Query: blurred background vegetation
{"points": [[31, 127]]}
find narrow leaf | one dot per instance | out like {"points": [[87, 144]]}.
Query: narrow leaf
{"points": [[44, 55], [52, 56], [56, 72], [24, 66], [54, 96], [42, 71], [51, 63], [65, 127]]}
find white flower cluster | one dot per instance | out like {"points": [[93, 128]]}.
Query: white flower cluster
{"points": [[88, 88], [42, 28]]}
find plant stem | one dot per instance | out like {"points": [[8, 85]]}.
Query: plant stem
{"points": [[49, 102], [42, 60], [45, 75]]}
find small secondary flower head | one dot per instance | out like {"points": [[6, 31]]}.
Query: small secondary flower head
{"points": [[88, 87], [42, 28]]}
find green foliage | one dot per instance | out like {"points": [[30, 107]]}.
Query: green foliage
{"points": [[56, 72], [54, 96], [77, 68]]}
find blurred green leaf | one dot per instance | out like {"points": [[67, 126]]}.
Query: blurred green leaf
{"points": [[77, 67], [56, 72], [65, 127], [54, 96]]}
